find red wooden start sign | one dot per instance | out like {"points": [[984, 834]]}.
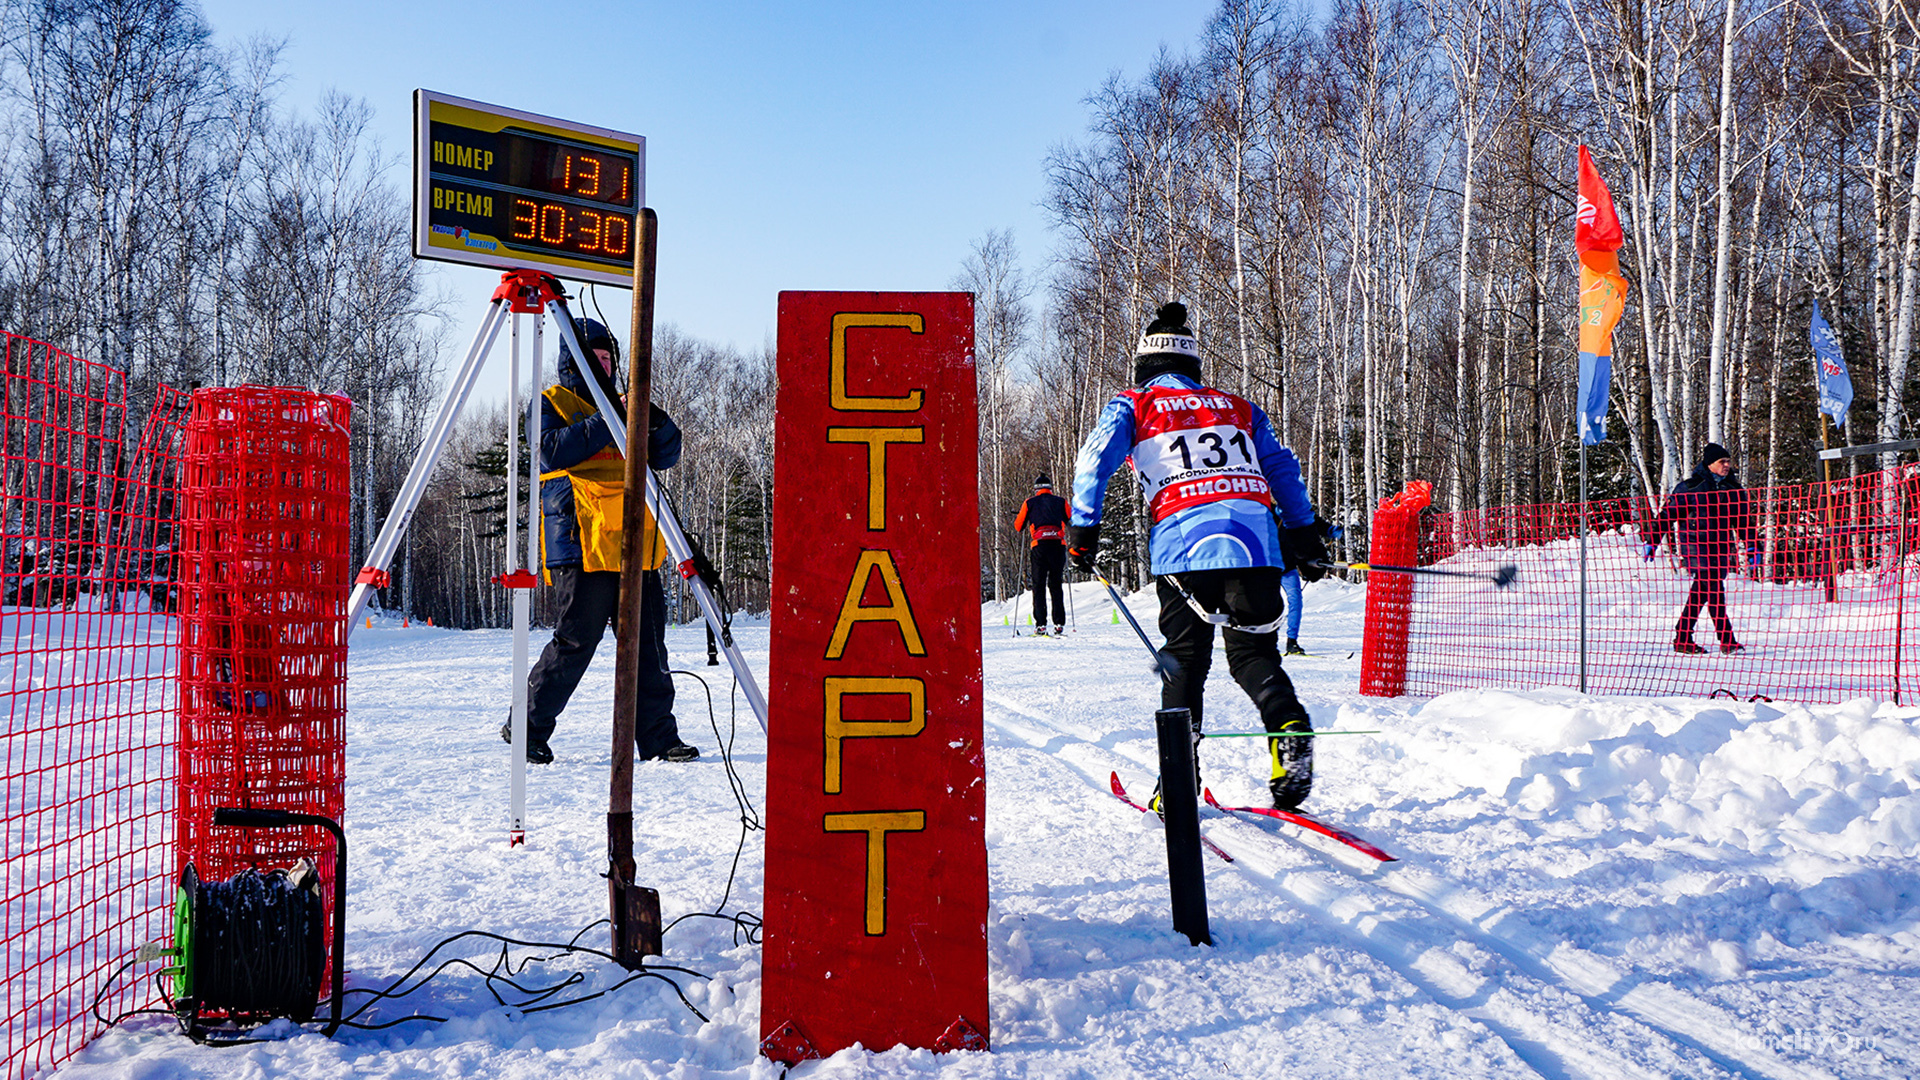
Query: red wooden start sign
{"points": [[876, 892]]}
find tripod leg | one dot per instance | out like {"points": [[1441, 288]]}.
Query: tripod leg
{"points": [[423, 462], [682, 554]]}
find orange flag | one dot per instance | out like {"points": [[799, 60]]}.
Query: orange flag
{"points": [[1603, 296]]}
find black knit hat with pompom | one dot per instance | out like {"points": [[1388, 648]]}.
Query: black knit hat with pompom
{"points": [[1167, 345]]}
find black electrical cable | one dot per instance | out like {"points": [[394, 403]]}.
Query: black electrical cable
{"points": [[258, 950], [258, 945], [107, 986], [746, 924], [502, 973], [504, 962]]}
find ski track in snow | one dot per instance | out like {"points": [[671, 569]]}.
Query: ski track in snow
{"points": [[1423, 946], [1590, 888]]}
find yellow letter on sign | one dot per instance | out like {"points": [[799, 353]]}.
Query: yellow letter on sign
{"points": [[876, 439], [838, 729], [896, 611], [877, 826], [838, 376]]}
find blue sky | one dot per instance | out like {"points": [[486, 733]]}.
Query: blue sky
{"points": [[843, 145]]}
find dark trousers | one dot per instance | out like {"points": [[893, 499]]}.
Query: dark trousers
{"points": [[1048, 560], [1709, 591], [588, 601], [1252, 597]]}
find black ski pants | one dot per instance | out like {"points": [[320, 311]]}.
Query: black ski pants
{"points": [[1252, 597], [1049, 566], [588, 601], [1709, 591]]}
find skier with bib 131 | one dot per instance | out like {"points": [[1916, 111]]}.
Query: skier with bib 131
{"points": [[1214, 478]]}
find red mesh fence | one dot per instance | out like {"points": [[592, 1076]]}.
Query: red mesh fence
{"points": [[264, 515], [1396, 542], [86, 873], [1818, 603]]}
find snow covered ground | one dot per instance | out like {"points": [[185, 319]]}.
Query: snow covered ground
{"points": [[1588, 886]]}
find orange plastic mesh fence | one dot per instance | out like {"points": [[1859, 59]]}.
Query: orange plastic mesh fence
{"points": [[264, 511], [86, 745]]}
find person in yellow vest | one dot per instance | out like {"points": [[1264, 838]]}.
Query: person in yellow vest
{"points": [[582, 497]]}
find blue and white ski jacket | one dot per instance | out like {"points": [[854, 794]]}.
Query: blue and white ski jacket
{"points": [[1210, 468]]}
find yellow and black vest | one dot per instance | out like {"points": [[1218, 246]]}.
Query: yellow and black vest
{"points": [[582, 506]]}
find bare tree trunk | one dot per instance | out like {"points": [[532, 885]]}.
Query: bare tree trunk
{"points": [[1723, 239]]}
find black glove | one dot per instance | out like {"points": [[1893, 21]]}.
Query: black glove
{"points": [[1304, 550], [1083, 543]]}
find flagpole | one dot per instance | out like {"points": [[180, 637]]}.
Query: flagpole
{"points": [[1835, 392], [1603, 292], [1583, 565], [1831, 577]]}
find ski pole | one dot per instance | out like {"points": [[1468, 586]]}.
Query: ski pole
{"points": [[1501, 578], [1284, 734], [1168, 667]]}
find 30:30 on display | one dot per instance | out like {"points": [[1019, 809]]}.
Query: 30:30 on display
{"points": [[564, 227]]}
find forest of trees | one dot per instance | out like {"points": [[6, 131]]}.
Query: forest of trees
{"points": [[1367, 205], [162, 213], [159, 213]]}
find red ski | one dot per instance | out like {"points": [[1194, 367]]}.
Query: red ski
{"points": [[1296, 818], [1120, 792]]}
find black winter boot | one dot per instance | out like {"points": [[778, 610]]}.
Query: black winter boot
{"points": [[538, 752]]}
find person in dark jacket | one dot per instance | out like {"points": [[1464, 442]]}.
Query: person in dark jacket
{"points": [[1711, 516], [1045, 516], [582, 544]]}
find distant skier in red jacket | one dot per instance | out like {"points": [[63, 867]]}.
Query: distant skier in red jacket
{"points": [[1045, 516]]}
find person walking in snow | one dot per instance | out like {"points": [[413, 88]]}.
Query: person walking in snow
{"points": [[582, 543], [1213, 476], [1045, 517], [1711, 516]]}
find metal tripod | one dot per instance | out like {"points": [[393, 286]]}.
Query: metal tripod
{"points": [[531, 292]]}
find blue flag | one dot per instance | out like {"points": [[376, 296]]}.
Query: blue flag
{"points": [[1830, 370], [1596, 375]]}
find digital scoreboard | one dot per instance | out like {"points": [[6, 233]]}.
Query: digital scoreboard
{"points": [[502, 188]]}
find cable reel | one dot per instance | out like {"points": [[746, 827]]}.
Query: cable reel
{"points": [[253, 948]]}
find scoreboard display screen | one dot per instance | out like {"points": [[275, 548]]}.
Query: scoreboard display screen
{"points": [[502, 188]]}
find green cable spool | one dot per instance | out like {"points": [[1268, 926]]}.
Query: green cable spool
{"points": [[183, 933]]}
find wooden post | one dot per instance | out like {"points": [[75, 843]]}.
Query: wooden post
{"points": [[635, 910]]}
